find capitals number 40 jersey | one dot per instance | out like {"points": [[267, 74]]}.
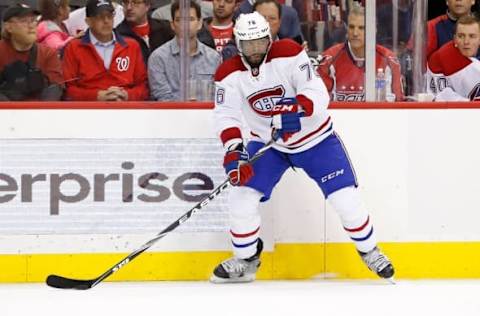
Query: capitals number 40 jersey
{"points": [[250, 94]]}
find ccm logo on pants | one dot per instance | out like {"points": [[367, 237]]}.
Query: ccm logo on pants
{"points": [[332, 175]]}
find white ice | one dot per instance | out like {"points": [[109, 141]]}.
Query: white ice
{"points": [[293, 298]]}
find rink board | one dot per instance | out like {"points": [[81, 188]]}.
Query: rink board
{"points": [[287, 261], [417, 168]]}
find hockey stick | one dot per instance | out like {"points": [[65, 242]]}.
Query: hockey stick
{"points": [[60, 282]]}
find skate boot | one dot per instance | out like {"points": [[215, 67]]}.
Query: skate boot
{"points": [[236, 270], [378, 263]]}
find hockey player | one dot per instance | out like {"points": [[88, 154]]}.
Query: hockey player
{"points": [[453, 72], [253, 86]]}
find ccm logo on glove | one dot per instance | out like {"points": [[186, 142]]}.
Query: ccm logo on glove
{"points": [[286, 118]]}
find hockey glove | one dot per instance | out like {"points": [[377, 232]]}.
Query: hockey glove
{"points": [[236, 165], [286, 118]]}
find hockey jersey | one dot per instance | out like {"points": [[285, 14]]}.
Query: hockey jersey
{"points": [[250, 94], [344, 75], [452, 76]]}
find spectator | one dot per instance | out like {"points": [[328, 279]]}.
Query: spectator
{"points": [[148, 32], [441, 29], [385, 21], [28, 71], [76, 21], [271, 10], [221, 24], [103, 65], [164, 15], [290, 24], [342, 66], [164, 62], [453, 72], [51, 30], [163, 12]]}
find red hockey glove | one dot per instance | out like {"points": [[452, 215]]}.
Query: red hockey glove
{"points": [[236, 165]]}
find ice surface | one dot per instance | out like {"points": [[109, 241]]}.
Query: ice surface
{"points": [[293, 298]]}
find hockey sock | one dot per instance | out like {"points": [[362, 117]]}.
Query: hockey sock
{"points": [[244, 220], [354, 218]]}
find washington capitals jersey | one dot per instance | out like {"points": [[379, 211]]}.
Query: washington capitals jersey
{"points": [[344, 75], [251, 94], [452, 76]]}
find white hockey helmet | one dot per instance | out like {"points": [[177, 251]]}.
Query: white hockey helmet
{"points": [[250, 26]]}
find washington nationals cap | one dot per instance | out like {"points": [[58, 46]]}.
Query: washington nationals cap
{"points": [[94, 7]]}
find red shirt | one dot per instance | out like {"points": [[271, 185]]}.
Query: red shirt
{"points": [[85, 73], [345, 77], [142, 31], [221, 35], [47, 60]]}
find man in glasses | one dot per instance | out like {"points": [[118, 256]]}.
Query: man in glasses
{"points": [[28, 71], [137, 24], [103, 65]]}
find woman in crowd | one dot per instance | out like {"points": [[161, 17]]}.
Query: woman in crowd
{"points": [[51, 30]]}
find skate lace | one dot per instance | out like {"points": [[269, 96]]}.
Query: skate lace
{"points": [[375, 260], [235, 265]]}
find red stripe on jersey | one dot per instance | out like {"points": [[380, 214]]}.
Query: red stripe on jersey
{"points": [[245, 235], [229, 66], [306, 104], [284, 48], [353, 230], [314, 132], [230, 133]]}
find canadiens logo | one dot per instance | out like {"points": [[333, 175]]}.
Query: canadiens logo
{"points": [[263, 101]]}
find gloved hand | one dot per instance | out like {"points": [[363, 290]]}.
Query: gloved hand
{"points": [[236, 165], [286, 118]]}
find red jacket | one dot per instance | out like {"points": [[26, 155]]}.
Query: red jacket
{"points": [[345, 78], [85, 73]]}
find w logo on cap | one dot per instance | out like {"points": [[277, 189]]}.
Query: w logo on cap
{"points": [[102, 2]]}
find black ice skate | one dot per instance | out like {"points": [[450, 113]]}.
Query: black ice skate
{"points": [[236, 270], [378, 263]]}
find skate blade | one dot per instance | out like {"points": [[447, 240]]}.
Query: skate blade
{"points": [[244, 279], [391, 280]]}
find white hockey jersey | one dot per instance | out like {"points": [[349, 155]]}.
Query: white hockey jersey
{"points": [[452, 76], [247, 93]]}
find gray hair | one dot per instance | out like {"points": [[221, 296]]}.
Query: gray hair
{"points": [[357, 9]]}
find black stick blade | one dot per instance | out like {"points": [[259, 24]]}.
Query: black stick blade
{"points": [[60, 282]]}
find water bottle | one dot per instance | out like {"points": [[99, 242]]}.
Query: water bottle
{"points": [[380, 85]]}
